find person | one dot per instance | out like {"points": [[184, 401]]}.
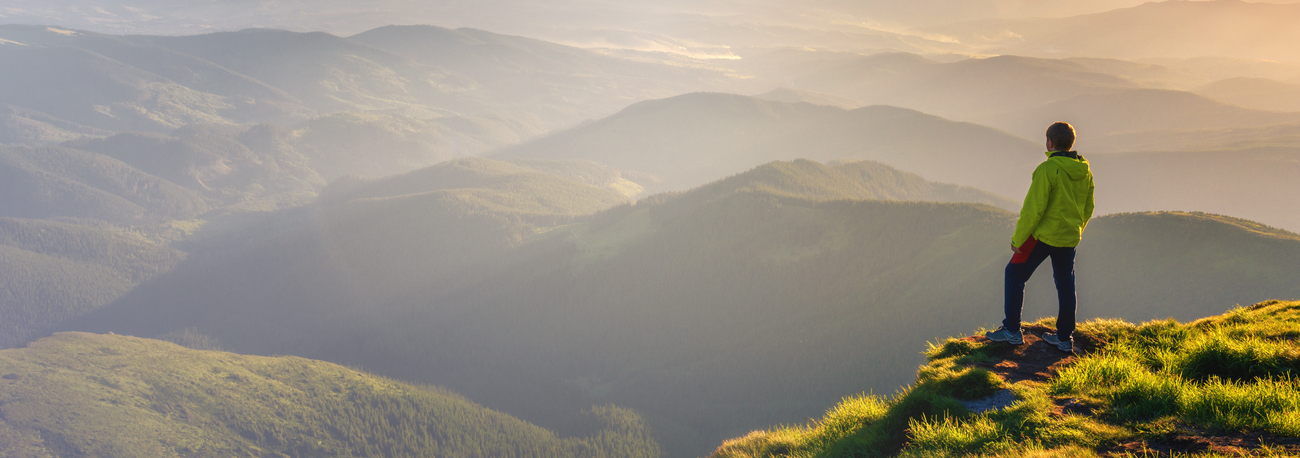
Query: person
{"points": [[1055, 212]]}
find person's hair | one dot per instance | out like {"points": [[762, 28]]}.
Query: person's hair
{"points": [[1062, 136]]}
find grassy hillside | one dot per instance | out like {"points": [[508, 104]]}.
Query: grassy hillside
{"points": [[1218, 386], [750, 302], [76, 394], [55, 271]]}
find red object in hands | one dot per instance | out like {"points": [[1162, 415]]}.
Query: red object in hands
{"points": [[1025, 249]]}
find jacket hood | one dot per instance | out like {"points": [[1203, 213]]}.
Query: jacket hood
{"points": [[1076, 168]]}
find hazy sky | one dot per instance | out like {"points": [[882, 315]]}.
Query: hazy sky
{"points": [[511, 16]]}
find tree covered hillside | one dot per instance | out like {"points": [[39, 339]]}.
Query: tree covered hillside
{"points": [[76, 394], [57, 271], [756, 300]]}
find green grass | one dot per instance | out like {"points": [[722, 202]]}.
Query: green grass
{"points": [[1236, 373]]}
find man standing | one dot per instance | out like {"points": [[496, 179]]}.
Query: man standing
{"points": [[1055, 212]]}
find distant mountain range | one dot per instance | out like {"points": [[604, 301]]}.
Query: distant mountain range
{"points": [[1021, 94], [158, 83], [1170, 29], [692, 139], [697, 309], [687, 139]]}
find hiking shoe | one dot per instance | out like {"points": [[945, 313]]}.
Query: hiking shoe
{"points": [[1063, 345], [1004, 335]]}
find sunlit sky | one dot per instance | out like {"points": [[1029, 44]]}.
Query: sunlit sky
{"points": [[513, 16]]}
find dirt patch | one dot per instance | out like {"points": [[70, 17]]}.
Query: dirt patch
{"points": [[1242, 444], [1034, 360]]}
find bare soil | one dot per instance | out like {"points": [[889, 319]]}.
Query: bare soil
{"points": [[1034, 360], [1184, 442]]}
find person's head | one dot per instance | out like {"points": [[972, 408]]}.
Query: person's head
{"points": [[1060, 137]]}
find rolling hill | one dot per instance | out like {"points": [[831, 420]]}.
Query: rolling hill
{"points": [[1016, 94], [1147, 110], [56, 182], [756, 300], [686, 140], [692, 139], [248, 100], [1258, 93], [76, 394], [82, 87]]}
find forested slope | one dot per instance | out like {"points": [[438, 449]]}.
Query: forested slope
{"points": [[76, 394], [56, 271]]}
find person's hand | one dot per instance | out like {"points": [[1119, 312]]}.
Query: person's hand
{"points": [[1015, 248]]}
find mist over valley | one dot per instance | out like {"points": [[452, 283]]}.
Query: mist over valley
{"points": [[597, 229]]}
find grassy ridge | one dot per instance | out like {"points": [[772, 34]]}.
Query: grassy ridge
{"points": [[1218, 376], [76, 394]]}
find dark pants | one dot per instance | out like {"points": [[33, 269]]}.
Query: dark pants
{"points": [[1022, 266]]}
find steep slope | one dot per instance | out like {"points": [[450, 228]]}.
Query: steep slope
{"points": [[750, 302], [692, 139], [55, 271], [1218, 386], [92, 395]]}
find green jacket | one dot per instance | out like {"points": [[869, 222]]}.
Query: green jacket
{"points": [[1059, 203]]}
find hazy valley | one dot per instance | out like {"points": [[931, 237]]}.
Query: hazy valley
{"points": [[596, 229]]}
